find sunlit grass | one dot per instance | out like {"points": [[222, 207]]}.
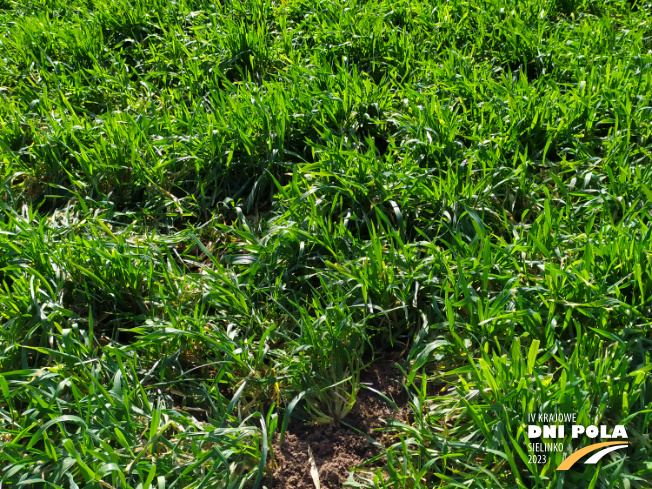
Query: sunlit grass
{"points": [[216, 215]]}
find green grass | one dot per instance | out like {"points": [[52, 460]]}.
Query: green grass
{"points": [[216, 215]]}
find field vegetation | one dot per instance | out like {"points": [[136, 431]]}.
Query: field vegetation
{"points": [[217, 215]]}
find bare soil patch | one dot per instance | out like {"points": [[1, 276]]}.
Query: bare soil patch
{"points": [[337, 447]]}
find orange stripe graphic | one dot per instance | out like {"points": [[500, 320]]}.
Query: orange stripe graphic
{"points": [[575, 456]]}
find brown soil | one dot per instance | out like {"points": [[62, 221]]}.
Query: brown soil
{"points": [[336, 447]]}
